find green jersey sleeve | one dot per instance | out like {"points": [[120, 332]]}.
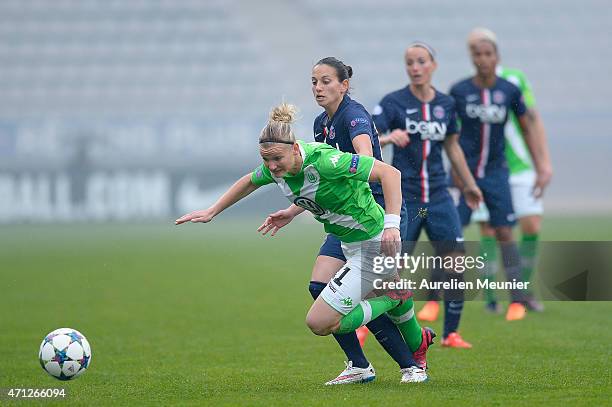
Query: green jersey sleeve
{"points": [[261, 176], [335, 165], [527, 91]]}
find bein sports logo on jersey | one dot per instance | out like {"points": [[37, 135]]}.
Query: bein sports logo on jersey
{"points": [[309, 205], [427, 130], [486, 114]]}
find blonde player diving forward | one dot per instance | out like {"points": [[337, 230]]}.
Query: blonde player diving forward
{"points": [[346, 125], [333, 186]]}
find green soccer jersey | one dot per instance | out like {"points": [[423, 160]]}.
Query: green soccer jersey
{"points": [[333, 186], [517, 153]]}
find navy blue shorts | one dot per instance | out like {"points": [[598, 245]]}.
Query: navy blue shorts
{"points": [[440, 220], [331, 245], [495, 187]]}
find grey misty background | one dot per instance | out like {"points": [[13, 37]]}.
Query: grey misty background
{"points": [[178, 90]]}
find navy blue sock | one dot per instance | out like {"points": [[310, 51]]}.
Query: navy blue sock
{"points": [[348, 342], [391, 340], [437, 274], [453, 305], [452, 316]]}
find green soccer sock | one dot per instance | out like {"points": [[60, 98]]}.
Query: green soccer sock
{"points": [[364, 312], [529, 255], [403, 316], [488, 250]]}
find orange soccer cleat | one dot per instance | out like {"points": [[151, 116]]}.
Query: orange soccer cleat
{"points": [[362, 334], [516, 312], [429, 312], [454, 340]]}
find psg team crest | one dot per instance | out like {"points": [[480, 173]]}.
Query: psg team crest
{"points": [[498, 97], [438, 112]]}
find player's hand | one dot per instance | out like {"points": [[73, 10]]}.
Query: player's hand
{"points": [[275, 221], [201, 216], [399, 137], [543, 178], [391, 242], [473, 196]]}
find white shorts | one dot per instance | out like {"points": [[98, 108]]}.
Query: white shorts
{"points": [[523, 201], [355, 280]]}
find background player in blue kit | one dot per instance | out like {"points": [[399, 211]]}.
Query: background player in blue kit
{"points": [[483, 104], [346, 125], [526, 200], [420, 122]]}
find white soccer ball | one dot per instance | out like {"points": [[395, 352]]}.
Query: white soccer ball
{"points": [[65, 354]]}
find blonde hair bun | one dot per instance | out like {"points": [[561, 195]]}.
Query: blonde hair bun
{"points": [[283, 113]]}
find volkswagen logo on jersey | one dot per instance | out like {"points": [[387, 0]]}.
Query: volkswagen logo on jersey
{"points": [[486, 114], [309, 205], [438, 112], [427, 130]]}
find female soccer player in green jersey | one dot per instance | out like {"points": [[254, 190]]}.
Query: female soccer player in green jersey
{"points": [[333, 186]]}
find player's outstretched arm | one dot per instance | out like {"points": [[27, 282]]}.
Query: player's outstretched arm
{"points": [[235, 193], [473, 195], [278, 219], [535, 138]]}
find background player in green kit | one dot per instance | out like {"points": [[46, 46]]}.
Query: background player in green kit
{"points": [[333, 186], [526, 199]]}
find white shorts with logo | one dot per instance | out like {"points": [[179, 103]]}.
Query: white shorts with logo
{"points": [[523, 201], [355, 280]]}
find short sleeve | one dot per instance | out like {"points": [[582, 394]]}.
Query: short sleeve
{"points": [[383, 116], [261, 176], [335, 165], [527, 91], [518, 103], [358, 122]]}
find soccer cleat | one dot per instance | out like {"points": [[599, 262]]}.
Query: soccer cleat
{"points": [[399, 295], [353, 375], [493, 307], [516, 311], [454, 340], [420, 355], [414, 374], [429, 312], [362, 334], [534, 305]]}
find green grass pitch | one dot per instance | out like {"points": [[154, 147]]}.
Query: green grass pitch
{"points": [[214, 314]]}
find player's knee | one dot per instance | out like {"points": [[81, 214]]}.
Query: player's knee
{"points": [[317, 326], [530, 225], [504, 233], [486, 229], [315, 288]]}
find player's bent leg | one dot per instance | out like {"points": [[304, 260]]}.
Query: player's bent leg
{"points": [[325, 268], [322, 319]]}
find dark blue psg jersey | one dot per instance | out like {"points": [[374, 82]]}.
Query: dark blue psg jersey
{"points": [[428, 124], [483, 114], [350, 120]]}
